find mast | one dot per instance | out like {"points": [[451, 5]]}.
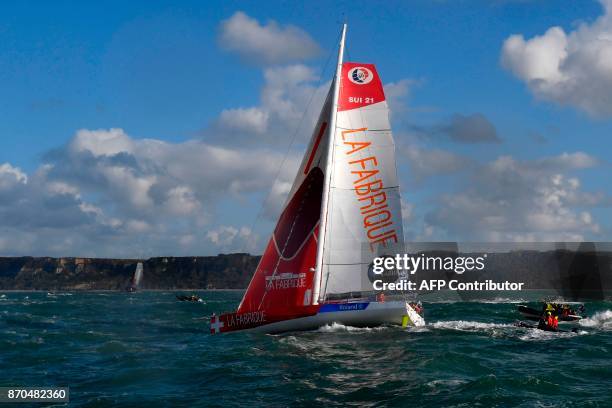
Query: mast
{"points": [[328, 168]]}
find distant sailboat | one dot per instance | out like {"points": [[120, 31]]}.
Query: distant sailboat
{"points": [[343, 209], [136, 278]]}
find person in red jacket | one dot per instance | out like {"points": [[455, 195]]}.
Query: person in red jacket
{"points": [[550, 321]]}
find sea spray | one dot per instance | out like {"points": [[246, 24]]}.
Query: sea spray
{"points": [[601, 320]]}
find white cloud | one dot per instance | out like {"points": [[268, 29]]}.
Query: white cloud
{"points": [[232, 239], [9, 176], [290, 101], [59, 187], [134, 197], [396, 94], [265, 44], [426, 163], [182, 201], [249, 120], [35, 205], [127, 185], [407, 209], [511, 200], [577, 160], [137, 226], [572, 68], [101, 142], [288, 90]]}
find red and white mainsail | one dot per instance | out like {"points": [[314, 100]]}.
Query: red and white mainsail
{"points": [[282, 286], [283, 281], [343, 206]]}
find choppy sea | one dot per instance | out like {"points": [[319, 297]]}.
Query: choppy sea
{"points": [[148, 349]]}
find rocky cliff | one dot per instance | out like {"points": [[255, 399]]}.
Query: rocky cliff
{"points": [[210, 272], [570, 273]]}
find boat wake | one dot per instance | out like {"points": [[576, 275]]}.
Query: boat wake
{"points": [[338, 327], [542, 335], [501, 300], [510, 330], [495, 300], [462, 325], [600, 320]]}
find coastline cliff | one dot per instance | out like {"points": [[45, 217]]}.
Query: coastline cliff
{"points": [[231, 271], [571, 273]]}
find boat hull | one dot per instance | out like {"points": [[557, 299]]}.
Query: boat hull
{"points": [[358, 314], [535, 315]]}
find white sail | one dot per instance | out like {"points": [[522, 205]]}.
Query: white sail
{"points": [[364, 207], [137, 278]]}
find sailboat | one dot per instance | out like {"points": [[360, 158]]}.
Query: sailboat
{"points": [[342, 210], [136, 278]]}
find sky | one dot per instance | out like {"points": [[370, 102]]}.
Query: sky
{"points": [[136, 129]]}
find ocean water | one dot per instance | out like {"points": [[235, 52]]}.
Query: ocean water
{"points": [[147, 349]]}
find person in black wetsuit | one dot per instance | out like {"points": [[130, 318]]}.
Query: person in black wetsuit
{"points": [[542, 322]]}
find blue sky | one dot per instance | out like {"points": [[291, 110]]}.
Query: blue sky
{"points": [[161, 72]]}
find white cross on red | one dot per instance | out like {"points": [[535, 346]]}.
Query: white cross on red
{"points": [[216, 324]]}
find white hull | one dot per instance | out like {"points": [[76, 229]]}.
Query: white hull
{"points": [[376, 314]]}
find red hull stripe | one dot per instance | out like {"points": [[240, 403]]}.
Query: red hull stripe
{"points": [[229, 322], [315, 147]]}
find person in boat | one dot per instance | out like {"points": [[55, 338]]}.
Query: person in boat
{"points": [[542, 323], [188, 298], [380, 297], [547, 322], [565, 311], [552, 322], [549, 308]]}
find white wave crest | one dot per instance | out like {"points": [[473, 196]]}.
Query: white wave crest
{"points": [[339, 327], [463, 325], [502, 300], [601, 320], [542, 335], [446, 383]]}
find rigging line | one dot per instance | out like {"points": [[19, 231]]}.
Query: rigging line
{"points": [[286, 155]]}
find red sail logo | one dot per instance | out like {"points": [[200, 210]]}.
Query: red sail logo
{"points": [[363, 87], [360, 75]]}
